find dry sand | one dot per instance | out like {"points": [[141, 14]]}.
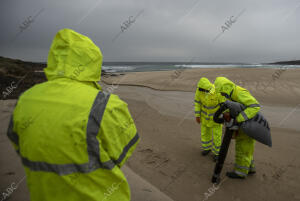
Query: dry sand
{"points": [[282, 90], [169, 154]]}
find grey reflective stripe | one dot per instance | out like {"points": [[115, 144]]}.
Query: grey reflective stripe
{"points": [[212, 114], [11, 134], [254, 105], [105, 165], [197, 101], [93, 127], [244, 115], [126, 148], [210, 107], [206, 148], [204, 112], [206, 142], [217, 147], [197, 112], [215, 151], [240, 173], [93, 147], [60, 169], [241, 167]]}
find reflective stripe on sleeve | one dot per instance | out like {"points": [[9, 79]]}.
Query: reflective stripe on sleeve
{"points": [[204, 112], [11, 134], [254, 105], [212, 114], [210, 107], [126, 148], [244, 115]]}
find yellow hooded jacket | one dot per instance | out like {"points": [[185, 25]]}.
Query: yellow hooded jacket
{"points": [[72, 137], [238, 94], [206, 103]]}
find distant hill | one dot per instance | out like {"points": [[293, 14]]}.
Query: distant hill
{"points": [[17, 76], [295, 62], [16, 67]]}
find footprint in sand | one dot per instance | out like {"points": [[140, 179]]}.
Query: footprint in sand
{"points": [[153, 159], [278, 173], [146, 150]]}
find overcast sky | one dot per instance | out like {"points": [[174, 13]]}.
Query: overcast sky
{"points": [[164, 30]]}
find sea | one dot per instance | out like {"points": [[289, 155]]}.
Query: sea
{"points": [[144, 67]]}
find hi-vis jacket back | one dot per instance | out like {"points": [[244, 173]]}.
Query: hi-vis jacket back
{"points": [[72, 137]]}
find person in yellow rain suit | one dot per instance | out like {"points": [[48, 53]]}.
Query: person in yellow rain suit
{"points": [[206, 104], [71, 136], [244, 147]]}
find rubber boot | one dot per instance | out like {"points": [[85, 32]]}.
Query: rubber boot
{"points": [[234, 175], [205, 152], [252, 171], [215, 158]]}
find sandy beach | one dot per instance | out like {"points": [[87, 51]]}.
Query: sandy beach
{"points": [[169, 154]]}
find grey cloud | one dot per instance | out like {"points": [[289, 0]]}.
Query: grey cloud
{"points": [[169, 30]]}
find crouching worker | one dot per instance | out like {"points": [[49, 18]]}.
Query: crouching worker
{"points": [[72, 137], [244, 147], [206, 104]]}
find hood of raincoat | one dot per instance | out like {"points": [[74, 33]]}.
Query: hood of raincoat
{"points": [[75, 56], [224, 85], [204, 83]]}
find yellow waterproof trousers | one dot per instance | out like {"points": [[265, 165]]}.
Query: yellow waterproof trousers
{"points": [[211, 138], [244, 148]]}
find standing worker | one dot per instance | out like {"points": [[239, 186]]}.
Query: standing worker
{"points": [[244, 146], [71, 136], [206, 104]]}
